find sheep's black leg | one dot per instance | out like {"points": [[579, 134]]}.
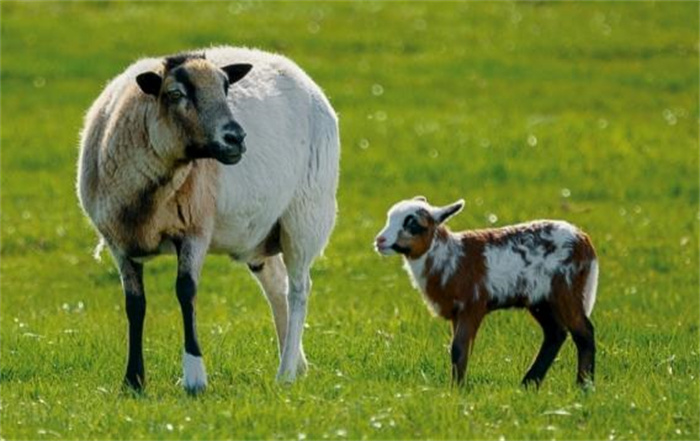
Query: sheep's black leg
{"points": [[554, 337], [584, 338], [135, 301], [186, 289], [190, 258]]}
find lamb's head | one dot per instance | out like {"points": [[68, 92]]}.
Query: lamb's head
{"points": [[194, 119], [410, 227]]}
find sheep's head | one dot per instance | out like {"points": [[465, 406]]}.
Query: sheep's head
{"points": [[410, 227], [193, 112]]}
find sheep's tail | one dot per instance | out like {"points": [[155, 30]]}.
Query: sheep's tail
{"points": [[591, 288], [97, 253]]}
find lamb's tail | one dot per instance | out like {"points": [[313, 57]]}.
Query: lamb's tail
{"points": [[591, 288]]}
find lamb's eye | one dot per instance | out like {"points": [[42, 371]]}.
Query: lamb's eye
{"points": [[412, 226], [175, 95]]}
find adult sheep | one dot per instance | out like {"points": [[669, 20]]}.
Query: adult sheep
{"points": [[156, 174]]}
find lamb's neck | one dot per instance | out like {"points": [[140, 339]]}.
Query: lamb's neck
{"points": [[443, 258]]}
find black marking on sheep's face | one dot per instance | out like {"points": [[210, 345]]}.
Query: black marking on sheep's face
{"points": [[182, 77]]}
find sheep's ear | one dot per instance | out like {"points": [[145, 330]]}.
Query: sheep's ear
{"points": [[150, 83], [420, 198], [236, 72], [443, 213]]}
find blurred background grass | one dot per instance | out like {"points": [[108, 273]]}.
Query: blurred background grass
{"points": [[581, 111]]}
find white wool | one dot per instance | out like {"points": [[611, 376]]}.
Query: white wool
{"points": [[446, 256], [416, 271], [506, 269]]}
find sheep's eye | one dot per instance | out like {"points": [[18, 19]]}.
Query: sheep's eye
{"points": [[175, 95]]}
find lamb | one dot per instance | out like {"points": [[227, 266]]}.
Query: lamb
{"points": [[548, 267], [165, 167]]}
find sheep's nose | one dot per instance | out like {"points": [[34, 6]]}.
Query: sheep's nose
{"points": [[234, 138], [380, 240]]}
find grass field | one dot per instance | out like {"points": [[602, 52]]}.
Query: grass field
{"points": [[586, 112]]}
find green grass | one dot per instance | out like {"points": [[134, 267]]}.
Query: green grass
{"points": [[510, 106]]}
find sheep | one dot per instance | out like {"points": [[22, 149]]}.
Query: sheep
{"points": [[165, 167], [549, 267]]}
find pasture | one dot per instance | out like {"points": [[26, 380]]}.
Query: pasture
{"points": [[584, 112]]}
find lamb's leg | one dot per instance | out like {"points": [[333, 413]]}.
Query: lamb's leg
{"points": [[554, 337], [272, 277], [132, 282], [190, 252], [573, 317], [584, 339], [465, 328]]}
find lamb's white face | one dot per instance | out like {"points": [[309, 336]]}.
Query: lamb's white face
{"points": [[410, 226], [405, 220]]}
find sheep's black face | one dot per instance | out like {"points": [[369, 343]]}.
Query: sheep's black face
{"points": [[411, 225], [192, 96]]}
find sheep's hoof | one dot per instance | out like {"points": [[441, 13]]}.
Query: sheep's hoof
{"points": [[134, 384], [195, 376], [286, 377], [194, 390], [531, 383], [587, 385]]}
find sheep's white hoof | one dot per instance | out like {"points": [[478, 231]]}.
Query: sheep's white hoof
{"points": [[195, 377]]}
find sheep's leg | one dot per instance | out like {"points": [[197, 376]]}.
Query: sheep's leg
{"points": [[132, 282], [464, 332], [293, 358], [305, 228], [584, 338], [272, 277], [191, 252], [554, 337]]}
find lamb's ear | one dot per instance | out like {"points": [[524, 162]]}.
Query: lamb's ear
{"points": [[441, 214], [420, 198], [236, 72], [150, 83]]}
